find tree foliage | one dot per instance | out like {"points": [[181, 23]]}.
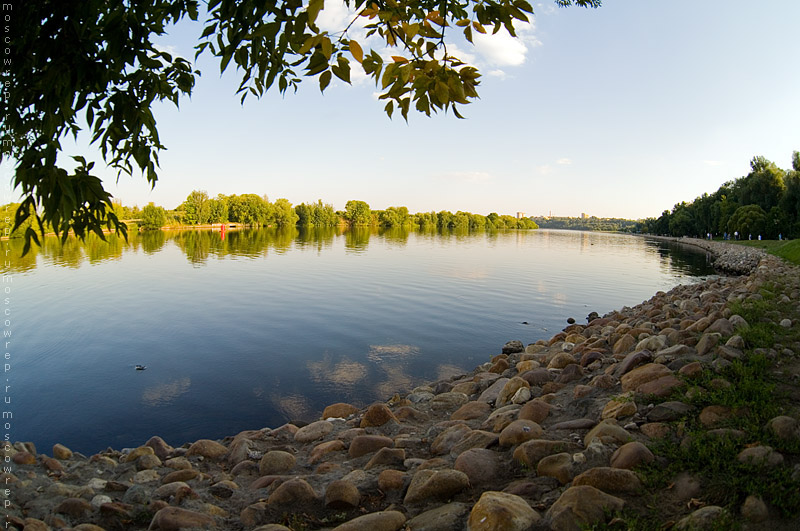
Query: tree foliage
{"points": [[764, 202], [95, 61], [153, 217]]}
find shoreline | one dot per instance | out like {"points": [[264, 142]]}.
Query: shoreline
{"points": [[554, 433]]}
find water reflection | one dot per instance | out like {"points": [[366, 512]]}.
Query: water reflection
{"points": [[166, 393]]}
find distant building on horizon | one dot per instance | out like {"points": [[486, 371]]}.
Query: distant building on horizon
{"points": [[520, 215], [584, 215]]}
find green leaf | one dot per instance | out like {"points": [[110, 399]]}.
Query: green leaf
{"points": [[389, 108], [356, 51], [314, 7], [324, 80], [342, 69]]}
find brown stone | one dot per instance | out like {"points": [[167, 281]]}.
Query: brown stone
{"points": [[714, 415], [520, 431], [631, 455], [535, 411], [479, 464], [655, 430], [439, 484], [136, 453], [445, 441], [582, 506], [611, 480], [659, 387], [61, 452], [641, 375], [366, 444], [159, 446], [379, 521], [387, 456], [377, 415], [292, 491], [607, 431], [557, 466], [619, 407], [340, 410], [391, 480], [276, 462], [497, 511], [207, 448], [314, 431], [531, 452], [691, 370], [175, 518], [471, 410], [74, 507], [323, 449], [342, 494], [180, 475]]}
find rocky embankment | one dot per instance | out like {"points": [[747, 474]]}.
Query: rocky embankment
{"points": [[560, 434], [728, 258]]}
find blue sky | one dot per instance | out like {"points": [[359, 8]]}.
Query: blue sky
{"points": [[621, 111]]}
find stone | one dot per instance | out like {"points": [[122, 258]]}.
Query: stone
{"points": [[706, 343], [178, 475], [474, 439], [164, 492], [785, 428], [669, 411], [610, 480], [660, 387], [582, 506], [444, 518], [340, 410], [557, 466], [480, 465], [520, 431], [435, 484], [574, 424], [729, 353], [276, 462], [147, 462], [714, 415], [570, 373], [499, 510], [146, 476], [652, 343], [391, 480], [323, 449], [448, 401], [512, 347], [655, 430], [721, 326], [493, 391], [561, 360], [342, 494], [786, 323], [74, 507], [500, 366], [501, 418], [175, 518], [531, 452], [136, 453], [366, 444], [207, 448], [536, 411], [709, 517], [292, 491], [377, 415], [760, 455], [691, 370], [643, 374], [754, 509], [445, 441], [24, 458], [537, 377], [178, 463], [379, 521], [624, 344], [607, 431], [314, 431], [527, 365], [620, 407], [631, 455], [472, 410], [61, 452], [386, 457]]}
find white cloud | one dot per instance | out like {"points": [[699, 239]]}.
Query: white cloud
{"points": [[497, 73], [564, 161], [712, 162], [501, 49]]}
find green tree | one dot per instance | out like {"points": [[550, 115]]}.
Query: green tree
{"points": [[96, 60], [357, 213], [218, 209], [763, 186], [153, 217], [283, 214], [197, 209], [748, 220]]}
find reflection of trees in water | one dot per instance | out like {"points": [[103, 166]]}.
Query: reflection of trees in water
{"points": [[356, 239], [682, 258], [196, 244], [13, 261], [151, 241], [317, 238]]}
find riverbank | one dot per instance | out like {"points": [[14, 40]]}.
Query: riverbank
{"points": [[669, 412]]}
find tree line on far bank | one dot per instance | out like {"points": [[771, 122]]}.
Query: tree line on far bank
{"points": [[257, 211], [765, 202]]}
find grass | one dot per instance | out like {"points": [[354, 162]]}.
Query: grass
{"points": [[789, 250], [756, 394]]}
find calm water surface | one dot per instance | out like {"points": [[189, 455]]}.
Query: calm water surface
{"points": [[266, 326]]}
